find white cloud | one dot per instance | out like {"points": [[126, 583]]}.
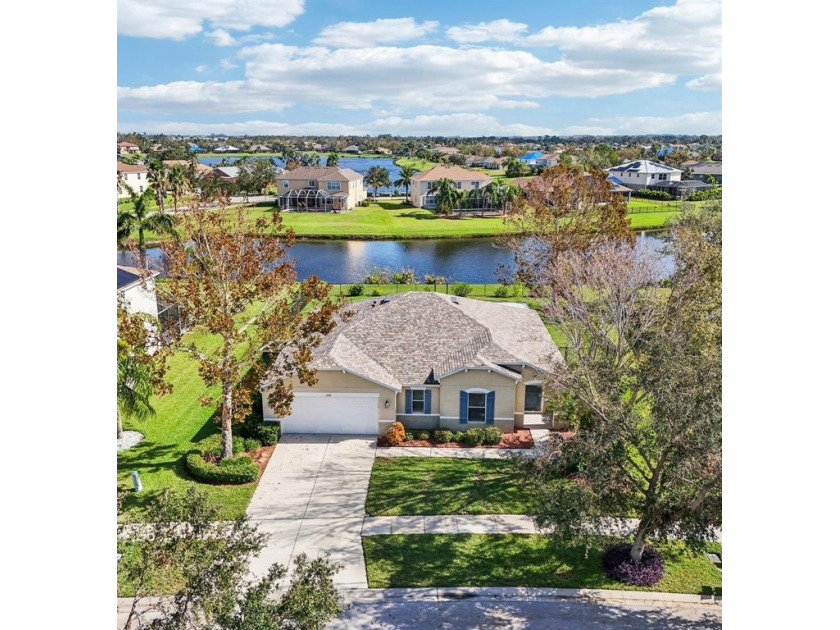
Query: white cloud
{"points": [[197, 97], [200, 68], [497, 30], [177, 19], [684, 38], [227, 64], [221, 37], [445, 125], [706, 83], [381, 31], [697, 123]]}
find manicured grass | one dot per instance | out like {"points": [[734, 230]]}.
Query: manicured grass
{"points": [[422, 560], [402, 486], [649, 220], [387, 219], [180, 422]]}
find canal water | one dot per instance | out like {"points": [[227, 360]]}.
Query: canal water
{"points": [[473, 260]]}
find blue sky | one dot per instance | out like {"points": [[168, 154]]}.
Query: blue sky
{"points": [[433, 68]]}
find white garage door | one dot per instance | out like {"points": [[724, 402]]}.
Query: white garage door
{"points": [[333, 413]]}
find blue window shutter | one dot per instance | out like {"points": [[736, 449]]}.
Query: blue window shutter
{"points": [[427, 402], [491, 408], [408, 401], [463, 418]]}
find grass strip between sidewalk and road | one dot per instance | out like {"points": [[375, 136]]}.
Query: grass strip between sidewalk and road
{"points": [[449, 560]]}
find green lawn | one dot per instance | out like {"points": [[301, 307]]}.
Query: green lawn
{"points": [[387, 219], [180, 422], [402, 486], [423, 560]]}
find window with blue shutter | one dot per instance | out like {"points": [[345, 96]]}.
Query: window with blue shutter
{"points": [[462, 419], [427, 401], [408, 401], [491, 407]]}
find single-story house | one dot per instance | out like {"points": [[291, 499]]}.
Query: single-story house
{"points": [[136, 290], [643, 173], [352, 149], [446, 150], [494, 163], [125, 148], [259, 148], [531, 158], [548, 159], [134, 176], [383, 151], [428, 360], [464, 179], [226, 148], [227, 172], [320, 189]]}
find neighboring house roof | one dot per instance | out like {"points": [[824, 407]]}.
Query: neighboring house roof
{"points": [[522, 182], [323, 173], [228, 171], [533, 155], [685, 184], [199, 167], [122, 167], [643, 166], [352, 147], [260, 147], [128, 277], [618, 185], [417, 337], [707, 168], [446, 150], [455, 173], [127, 144]]}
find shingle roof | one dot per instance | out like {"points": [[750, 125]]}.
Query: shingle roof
{"points": [[455, 173], [128, 276], [643, 166], [122, 167], [406, 338]]}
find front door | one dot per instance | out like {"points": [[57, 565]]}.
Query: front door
{"points": [[533, 398]]}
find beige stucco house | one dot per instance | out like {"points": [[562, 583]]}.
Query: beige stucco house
{"points": [[428, 360], [127, 148], [320, 189], [465, 179]]}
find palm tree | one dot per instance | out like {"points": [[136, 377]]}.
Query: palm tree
{"points": [[332, 159], [447, 196], [134, 387], [178, 182], [500, 194], [139, 218], [376, 177], [405, 178], [158, 182]]}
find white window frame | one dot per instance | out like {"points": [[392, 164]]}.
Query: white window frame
{"points": [[458, 185], [285, 183], [414, 393], [313, 183], [482, 407], [333, 185]]}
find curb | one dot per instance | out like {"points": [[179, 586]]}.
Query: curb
{"points": [[522, 594]]}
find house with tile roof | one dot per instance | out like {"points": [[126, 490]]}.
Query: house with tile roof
{"points": [[133, 176], [465, 179], [428, 360], [126, 148], [643, 173], [320, 189]]}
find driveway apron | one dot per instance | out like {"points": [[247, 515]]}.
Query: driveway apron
{"points": [[311, 499]]}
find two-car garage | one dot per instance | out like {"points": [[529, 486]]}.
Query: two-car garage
{"points": [[317, 412]]}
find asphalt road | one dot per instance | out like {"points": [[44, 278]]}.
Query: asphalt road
{"points": [[525, 615]]}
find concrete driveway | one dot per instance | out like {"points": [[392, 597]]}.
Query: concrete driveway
{"points": [[311, 498]]}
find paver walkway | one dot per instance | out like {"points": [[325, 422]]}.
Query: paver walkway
{"points": [[311, 498], [454, 524]]}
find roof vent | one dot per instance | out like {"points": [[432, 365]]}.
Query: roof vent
{"points": [[384, 300], [454, 300]]}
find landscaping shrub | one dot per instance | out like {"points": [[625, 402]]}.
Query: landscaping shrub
{"points": [[422, 435], [461, 289], [404, 276], [474, 437], [706, 195], [376, 292], [409, 436], [266, 432], [459, 437], [647, 193], [213, 445], [377, 276], [434, 279], [365, 203], [395, 434], [502, 291], [442, 436], [620, 566], [355, 289], [235, 470], [252, 445], [492, 435]]}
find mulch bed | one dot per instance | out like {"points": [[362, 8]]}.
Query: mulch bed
{"points": [[520, 438], [261, 457]]}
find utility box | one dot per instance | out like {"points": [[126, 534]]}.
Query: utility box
{"points": [[135, 477]]}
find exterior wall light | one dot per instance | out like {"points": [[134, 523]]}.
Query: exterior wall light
{"points": [[387, 404]]}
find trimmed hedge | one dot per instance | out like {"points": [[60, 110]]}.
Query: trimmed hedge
{"points": [[235, 470], [474, 437], [252, 445], [647, 193], [706, 195], [442, 436], [620, 566], [461, 289], [492, 435]]}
